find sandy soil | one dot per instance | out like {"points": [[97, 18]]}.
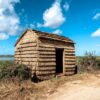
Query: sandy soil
{"points": [[86, 89], [78, 87]]}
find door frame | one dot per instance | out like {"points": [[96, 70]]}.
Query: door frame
{"points": [[63, 58]]}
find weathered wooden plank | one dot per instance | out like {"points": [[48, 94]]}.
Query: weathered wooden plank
{"points": [[46, 73], [69, 50], [45, 46], [69, 53], [46, 49], [26, 46], [25, 57], [69, 47], [70, 70], [70, 60], [47, 60], [45, 63], [23, 46], [28, 42], [47, 56], [67, 66], [34, 55], [26, 53], [29, 63], [43, 70], [27, 49], [46, 68], [21, 60], [70, 57], [27, 60], [70, 64], [46, 53]]}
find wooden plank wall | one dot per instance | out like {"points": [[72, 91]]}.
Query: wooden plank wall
{"points": [[46, 61], [26, 51], [47, 58], [69, 60]]}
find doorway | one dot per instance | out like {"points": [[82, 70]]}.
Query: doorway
{"points": [[59, 61]]}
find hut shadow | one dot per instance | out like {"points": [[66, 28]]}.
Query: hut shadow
{"points": [[76, 69], [35, 78]]}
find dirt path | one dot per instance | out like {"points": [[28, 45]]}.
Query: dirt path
{"points": [[86, 89], [79, 87]]}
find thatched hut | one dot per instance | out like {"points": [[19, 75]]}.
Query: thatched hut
{"points": [[45, 54]]}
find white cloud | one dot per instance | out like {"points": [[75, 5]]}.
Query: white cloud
{"points": [[66, 6], [57, 32], [9, 21], [53, 17], [3, 36], [96, 33], [97, 16]]}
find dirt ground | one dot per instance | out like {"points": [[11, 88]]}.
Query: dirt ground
{"points": [[87, 89], [78, 87]]}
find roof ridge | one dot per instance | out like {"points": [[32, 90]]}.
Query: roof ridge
{"points": [[42, 34]]}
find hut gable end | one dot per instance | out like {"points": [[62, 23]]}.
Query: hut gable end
{"points": [[27, 36], [26, 49]]}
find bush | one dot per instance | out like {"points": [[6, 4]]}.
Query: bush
{"points": [[6, 64], [88, 62], [22, 72], [9, 69]]}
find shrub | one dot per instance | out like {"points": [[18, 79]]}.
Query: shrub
{"points": [[8, 69], [6, 64], [88, 62], [22, 72]]}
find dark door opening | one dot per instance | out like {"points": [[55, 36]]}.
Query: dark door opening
{"points": [[59, 61]]}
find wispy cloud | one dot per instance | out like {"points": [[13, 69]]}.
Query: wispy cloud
{"points": [[58, 31], [9, 20], [53, 17], [96, 33], [97, 16], [66, 6]]}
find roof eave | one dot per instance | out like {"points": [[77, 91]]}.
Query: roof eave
{"points": [[57, 39]]}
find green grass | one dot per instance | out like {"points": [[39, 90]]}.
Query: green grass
{"points": [[6, 64]]}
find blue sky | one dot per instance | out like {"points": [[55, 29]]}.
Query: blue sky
{"points": [[76, 19]]}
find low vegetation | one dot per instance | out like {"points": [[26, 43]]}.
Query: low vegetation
{"points": [[89, 62], [8, 70]]}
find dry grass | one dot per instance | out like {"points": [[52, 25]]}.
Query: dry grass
{"points": [[14, 89]]}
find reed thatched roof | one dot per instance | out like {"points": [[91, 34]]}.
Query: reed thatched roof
{"points": [[48, 36]]}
